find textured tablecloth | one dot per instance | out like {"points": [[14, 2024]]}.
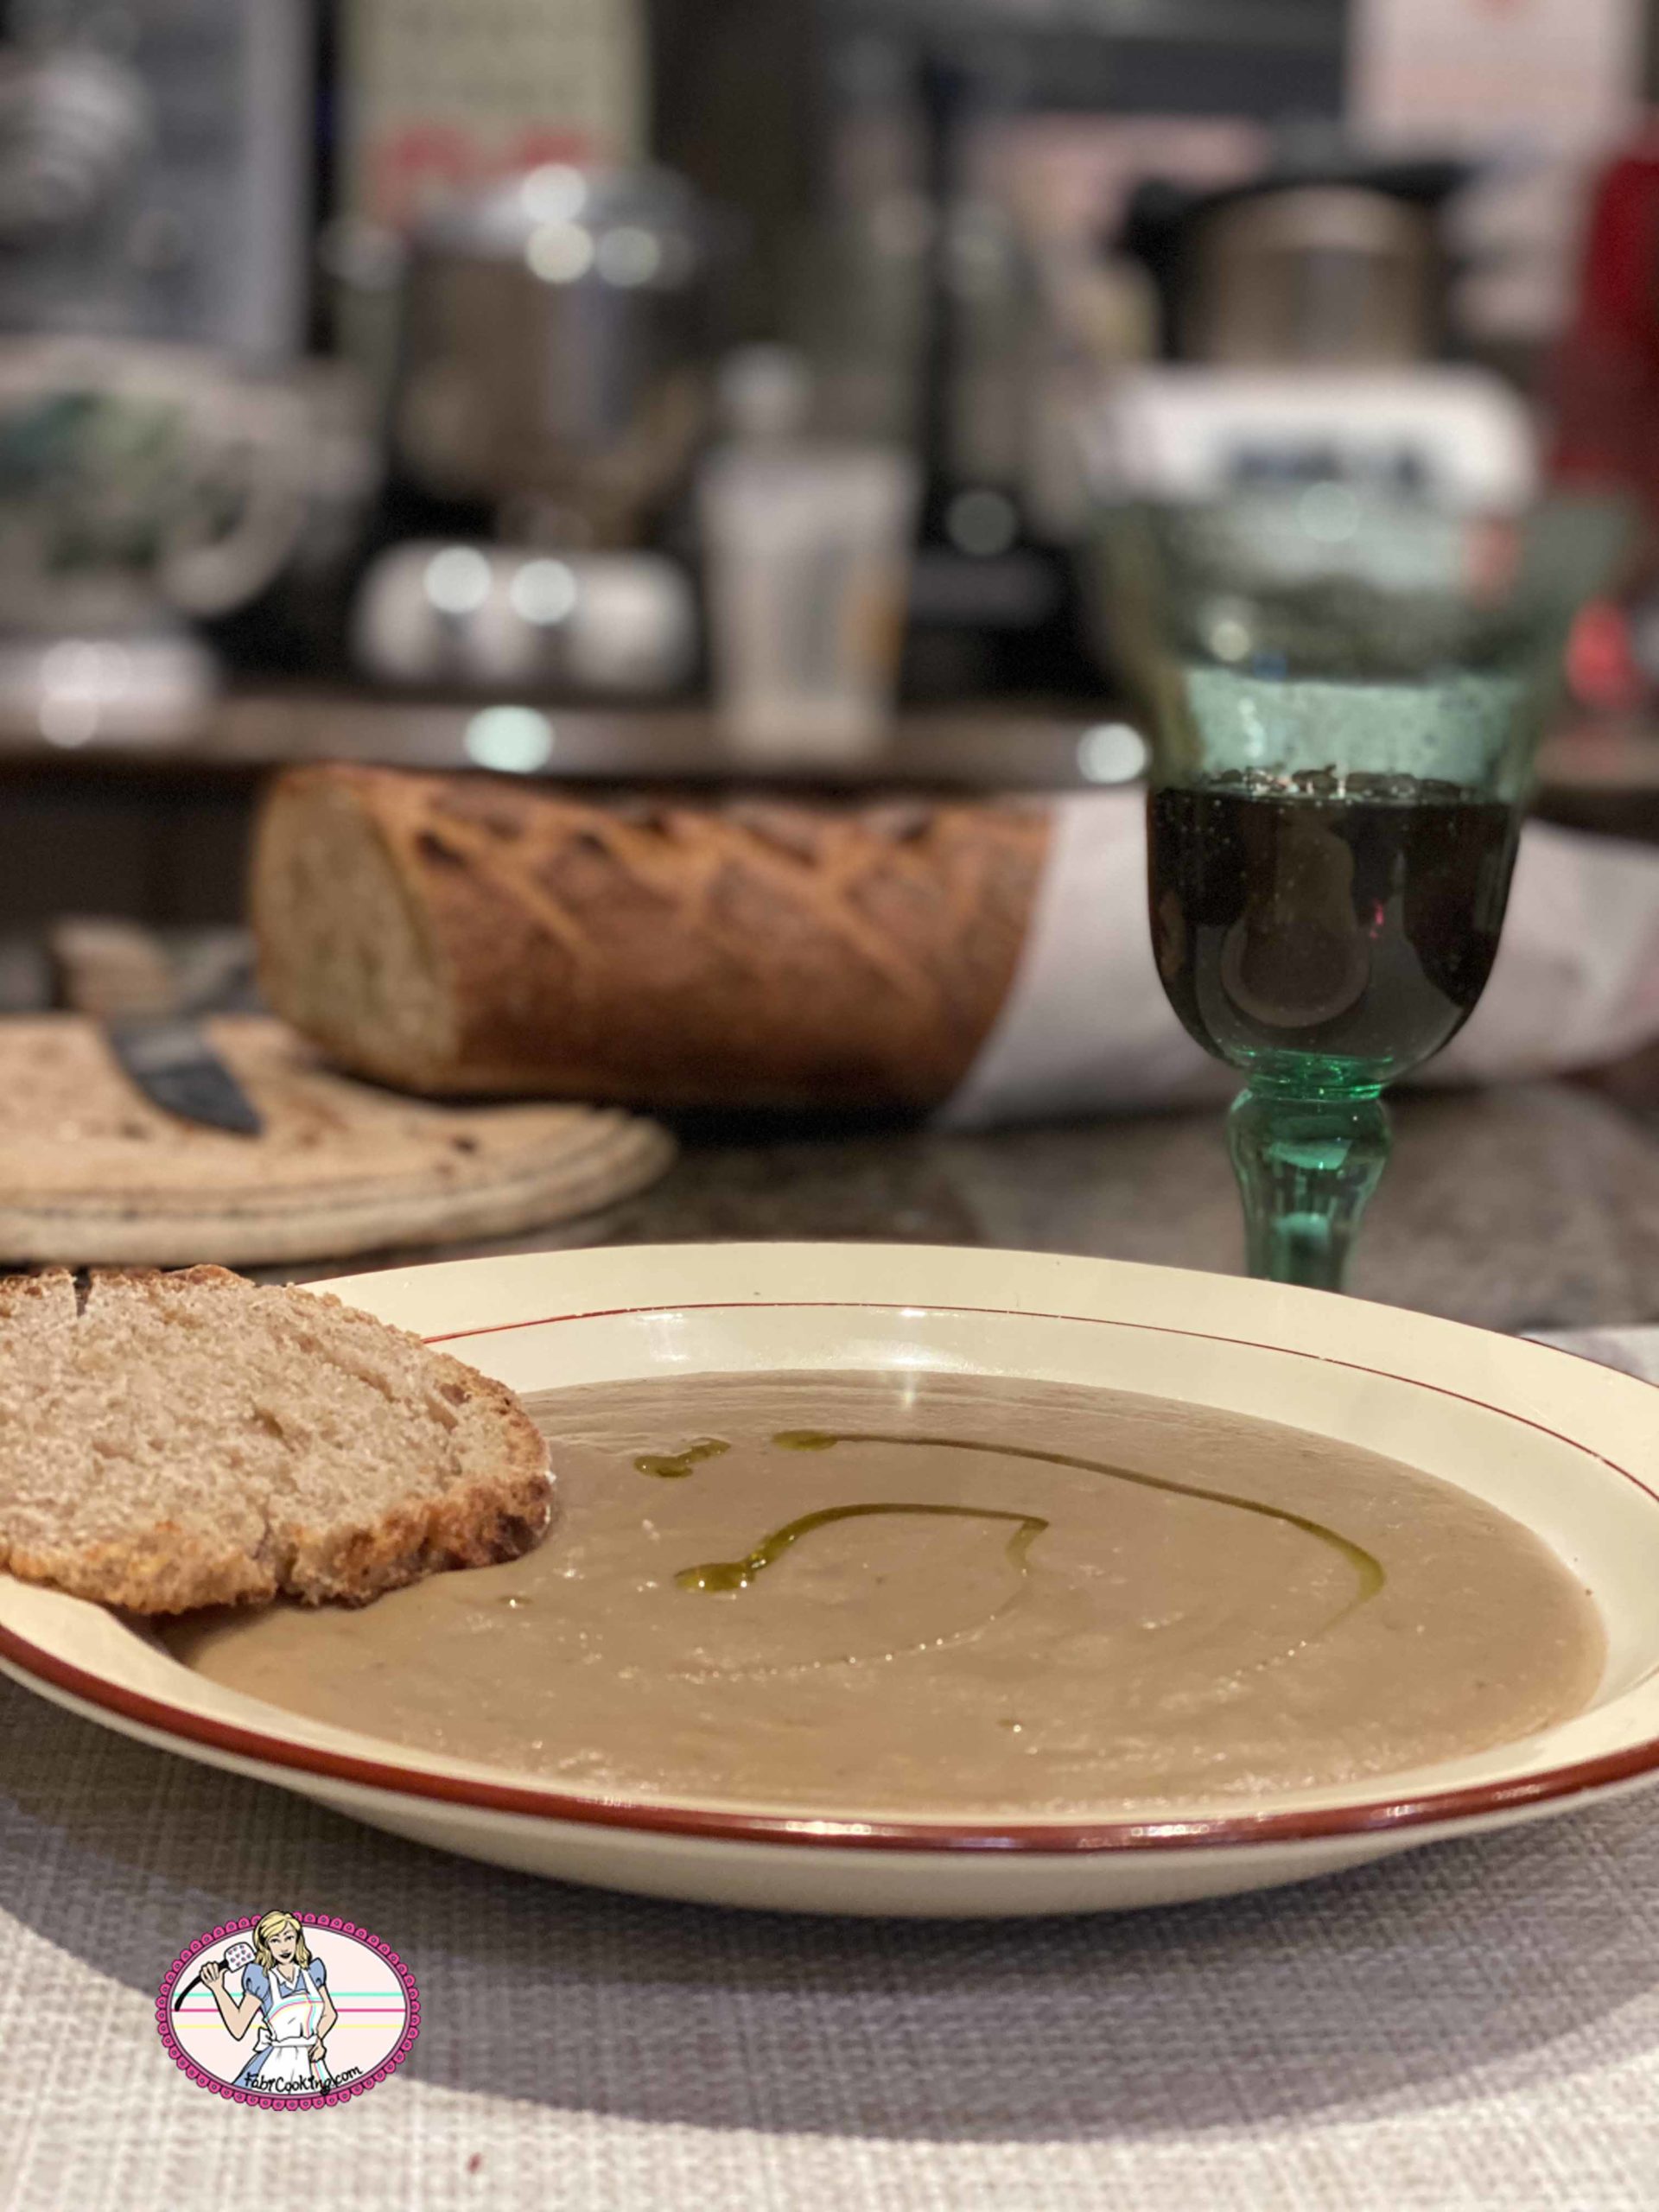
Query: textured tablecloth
{"points": [[1471, 2025]]}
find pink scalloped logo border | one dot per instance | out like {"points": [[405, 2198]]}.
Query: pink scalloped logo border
{"points": [[336, 1925]]}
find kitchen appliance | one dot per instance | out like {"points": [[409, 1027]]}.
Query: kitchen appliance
{"points": [[1330, 273], [1340, 263], [155, 162], [1181, 436], [143, 488], [494, 618], [554, 330], [1190, 435]]}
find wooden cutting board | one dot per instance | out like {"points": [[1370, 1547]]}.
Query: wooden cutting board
{"points": [[92, 1174]]}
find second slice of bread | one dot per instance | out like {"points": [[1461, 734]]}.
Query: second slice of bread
{"points": [[168, 1442]]}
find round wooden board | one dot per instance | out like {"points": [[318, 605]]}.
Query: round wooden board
{"points": [[92, 1174]]}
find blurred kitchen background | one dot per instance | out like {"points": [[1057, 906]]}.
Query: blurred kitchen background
{"points": [[690, 392]]}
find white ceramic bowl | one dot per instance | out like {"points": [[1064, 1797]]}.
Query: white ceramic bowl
{"points": [[1570, 1449]]}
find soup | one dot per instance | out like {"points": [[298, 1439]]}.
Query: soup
{"points": [[933, 1593]]}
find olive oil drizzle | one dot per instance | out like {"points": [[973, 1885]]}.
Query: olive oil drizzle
{"points": [[671, 1466], [737, 1574]]}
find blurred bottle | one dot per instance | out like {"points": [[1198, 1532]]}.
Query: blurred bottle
{"points": [[1603, 392], [1605, 384], [854, 292], [807, 549]]}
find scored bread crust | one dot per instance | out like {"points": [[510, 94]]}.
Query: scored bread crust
{"points": [[166, 1566], [48, 1299], [466, 937]]}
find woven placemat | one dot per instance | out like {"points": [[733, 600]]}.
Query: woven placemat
{"points": [[1469, 2028]]}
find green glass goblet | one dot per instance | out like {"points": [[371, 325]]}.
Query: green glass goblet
{"points": [[1344, 691]]}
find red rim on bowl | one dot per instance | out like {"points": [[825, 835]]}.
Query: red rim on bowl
{"points": [[1059, 1838]]}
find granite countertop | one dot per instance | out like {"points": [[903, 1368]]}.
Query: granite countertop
{"points": [[1532, 1206]]}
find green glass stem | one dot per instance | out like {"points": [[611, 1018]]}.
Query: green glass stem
{"points": [[1306, 1168]]}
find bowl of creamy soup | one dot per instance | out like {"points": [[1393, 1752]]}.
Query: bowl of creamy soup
{"points": [[926, 1581]]}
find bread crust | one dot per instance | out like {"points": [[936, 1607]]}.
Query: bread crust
{"points": [[758, 955], [168, 1567], [44, 1300]]}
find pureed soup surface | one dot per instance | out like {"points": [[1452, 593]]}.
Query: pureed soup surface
{"points": [[930, 1593]]}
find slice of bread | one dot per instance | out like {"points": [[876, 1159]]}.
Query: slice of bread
{"points": [[174, 1440]]}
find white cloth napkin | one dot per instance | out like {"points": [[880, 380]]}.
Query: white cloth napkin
{"points": [[1635, 1350], [1087, 1029]]}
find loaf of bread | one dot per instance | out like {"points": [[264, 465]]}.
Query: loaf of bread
{"points": [[170, 1441], [475, 937]]}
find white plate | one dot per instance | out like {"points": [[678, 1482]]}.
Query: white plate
{"points": [[1570, 1449]]}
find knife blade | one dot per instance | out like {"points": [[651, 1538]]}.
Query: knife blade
{"points": [[169, 1058]]}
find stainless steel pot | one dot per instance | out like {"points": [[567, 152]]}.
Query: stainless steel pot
{"points": [[1336, 274], [552, 345]]}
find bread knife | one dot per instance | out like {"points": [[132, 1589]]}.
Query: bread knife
{"points": [[170, 1060]]}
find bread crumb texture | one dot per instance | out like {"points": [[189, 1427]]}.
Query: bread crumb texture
{"points": [[168, 1442]]}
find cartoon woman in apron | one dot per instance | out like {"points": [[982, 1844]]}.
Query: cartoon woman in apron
{"points": [[283, 1991]]}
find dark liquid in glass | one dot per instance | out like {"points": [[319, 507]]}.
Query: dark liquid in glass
{"points": [[1356, 929]]}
